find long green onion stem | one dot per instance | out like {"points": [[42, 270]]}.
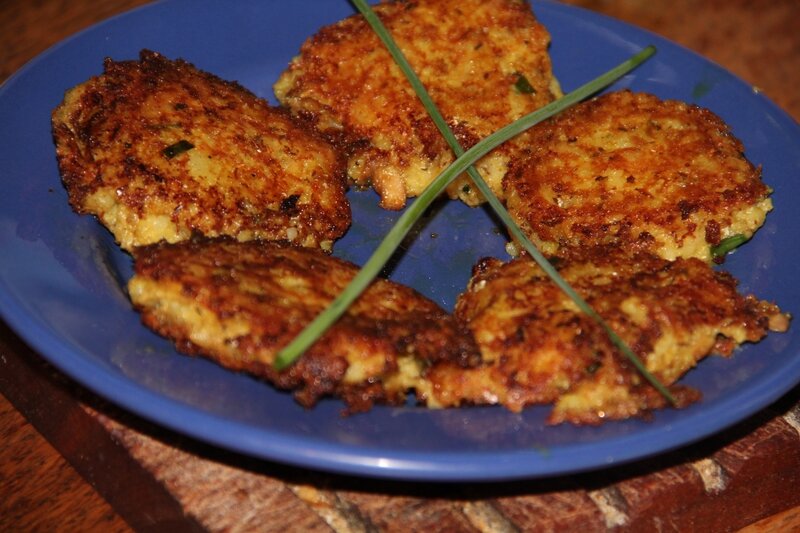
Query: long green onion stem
{"points": [[464, 161]]}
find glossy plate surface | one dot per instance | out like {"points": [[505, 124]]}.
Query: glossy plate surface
{"points": [[62, 277]]}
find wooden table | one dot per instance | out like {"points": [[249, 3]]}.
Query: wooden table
{"points": [[71, 462]]}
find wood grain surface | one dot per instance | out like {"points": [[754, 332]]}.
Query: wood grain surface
{"points": [[36, 476], [71, 462]]}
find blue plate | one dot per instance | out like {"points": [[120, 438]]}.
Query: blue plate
{"points": [[62, 277]]}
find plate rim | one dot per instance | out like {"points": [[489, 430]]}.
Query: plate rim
{"points": [[405, 465]]}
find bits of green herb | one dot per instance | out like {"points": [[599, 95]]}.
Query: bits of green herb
{"points": [[727, 245], [176, 149], [522, 85]]}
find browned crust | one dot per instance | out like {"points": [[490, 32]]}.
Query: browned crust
{"points": [[537, 346], [261, 172], [462, 51], [277, 289], [612, 169]]}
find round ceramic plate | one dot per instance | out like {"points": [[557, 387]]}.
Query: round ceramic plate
{"points": [[62, 277]]}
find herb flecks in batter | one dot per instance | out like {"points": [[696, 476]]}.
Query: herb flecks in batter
{"points": [[176, 149]]}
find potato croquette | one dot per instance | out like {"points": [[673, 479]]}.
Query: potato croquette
{"points": [[538, 347], [631, 169], [239, 303], [159, 150], [485, 63]]}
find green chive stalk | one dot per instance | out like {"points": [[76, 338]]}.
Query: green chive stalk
{"points": [[464, 161]]}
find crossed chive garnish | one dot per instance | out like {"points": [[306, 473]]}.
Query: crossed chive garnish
{"points": [[464, 161]]}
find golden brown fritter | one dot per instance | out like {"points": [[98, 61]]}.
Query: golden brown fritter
{"points": [[484, 62], [631, 169], [239, 303], [158, 149], [538, 347]]}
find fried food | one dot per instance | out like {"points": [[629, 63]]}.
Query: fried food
{"points": [[484, 62], [631, 169], [240, 303], [159, 150], [538, 347]]}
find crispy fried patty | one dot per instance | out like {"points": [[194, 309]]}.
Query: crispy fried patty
{"points": [[484, 62], [632, 169], [239, 303], [158, 149], [538, 347]]}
